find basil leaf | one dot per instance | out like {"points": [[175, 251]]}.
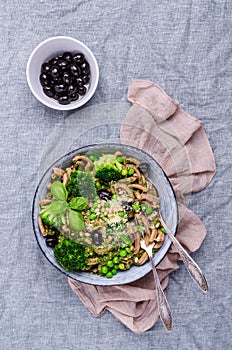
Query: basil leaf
{"points": [[59, 191], [78, 203], [76, 220]]}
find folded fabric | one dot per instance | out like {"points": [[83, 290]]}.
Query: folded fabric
{"points": [[177, 141]]}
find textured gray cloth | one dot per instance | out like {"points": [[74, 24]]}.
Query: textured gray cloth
{"points": [[185, 47]]}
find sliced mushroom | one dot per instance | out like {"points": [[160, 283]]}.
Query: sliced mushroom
{"points": [[139, 187], [58, 172], [150, 198], [44, 202], [133, 161], [153, 235], [41, 227], [93, 261], [124, 188], [66, 179], [143, 259]]}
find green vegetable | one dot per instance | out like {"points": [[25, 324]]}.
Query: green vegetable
{"points": [[107, 204], [131, 171], [82, 184], [76, 220], [119, 159], [53, 214], [116, 260], [93, 216], [72, 256], [123, 253], [110, 263], [107, 168], [78, 203], [163, 230], [149, 210], [109, 274], [121, 214], [135, 206], [121, 266], [104, 269], [125, 239], [124, 172]]}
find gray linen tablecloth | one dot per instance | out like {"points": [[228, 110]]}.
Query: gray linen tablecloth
{"points": [[185, 47]]}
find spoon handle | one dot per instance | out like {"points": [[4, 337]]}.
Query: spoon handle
{"points": [[192, 267], [163, 306]]}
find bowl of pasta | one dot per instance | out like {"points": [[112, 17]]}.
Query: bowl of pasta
{"points": [[93, 205]]}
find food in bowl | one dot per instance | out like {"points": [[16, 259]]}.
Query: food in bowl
{"points": [[96, 211], [66, 77]]}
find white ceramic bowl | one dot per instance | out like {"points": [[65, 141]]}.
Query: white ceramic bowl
{"points": [[53, 47]]}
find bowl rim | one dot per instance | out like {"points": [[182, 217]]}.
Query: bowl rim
{"points": [[49, 103], [104, 282]]}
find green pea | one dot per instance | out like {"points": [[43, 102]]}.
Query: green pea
{"points": [[123, 253], [107, 204], [124, 172], [121, 266], [114, 196], [116, 260], [131, 171], [93, 158], [119, 159], [114, 272], [163, 230], [91, 210], [98, 185], [135, 206], [110, 263], [143, 206], [104, 269], [149, 210], [121, 214], [101, 214], [93, 216], [141, 228], [103, 187], [116, 267], [109, 274], [128, 250]]}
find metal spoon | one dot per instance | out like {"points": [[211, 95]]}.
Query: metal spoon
{"points": [[192, 267], [163, 307]]}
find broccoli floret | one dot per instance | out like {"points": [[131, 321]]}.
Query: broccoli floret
{"points": [[72, 256], [107, 169], [81, 184], [53, 213]]}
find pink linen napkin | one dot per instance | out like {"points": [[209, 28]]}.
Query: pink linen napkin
{"points": [[177, 141]]}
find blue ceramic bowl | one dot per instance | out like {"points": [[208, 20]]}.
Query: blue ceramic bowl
{"points": [[168, 208]]}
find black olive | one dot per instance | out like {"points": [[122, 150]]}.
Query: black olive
{"points": [[73, 96], [64, 99], [85, 68], [67, 56], [104, 194], [144, 168], [51, 242], [45, 68], [44, 79], [97, 237], [71, 89], [78, 57], [53, 61], [66, 78], [79, 81], [127, 206], [48, 90], [54, 71], [82, 90], [60, 87], [74, 69], [85, 79], [61, 63]]}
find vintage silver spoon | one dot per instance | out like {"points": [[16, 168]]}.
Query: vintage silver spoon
{"points": [[163, 306], [192, 267]]}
